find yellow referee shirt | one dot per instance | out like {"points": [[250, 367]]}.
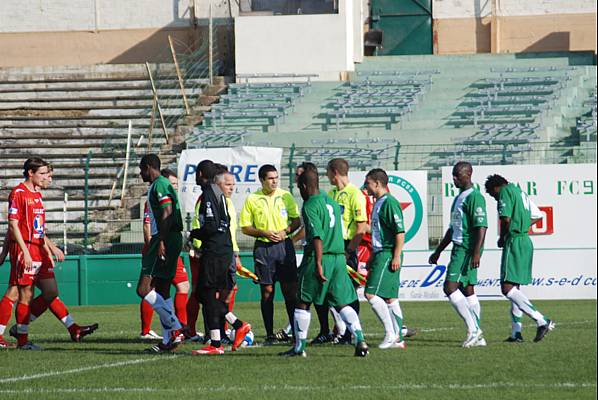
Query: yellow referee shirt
{"points": [[269, 213], [353, 207]]}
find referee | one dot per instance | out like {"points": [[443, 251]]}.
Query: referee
{"points": [[270, 215]]}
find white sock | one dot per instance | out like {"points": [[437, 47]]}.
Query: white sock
{"points": [[165, 311], [2, 329], [288, 329], [397, 317], [476, 309], [460, 304], [352, 322], [338, 321], [215, 335], [381, 309], [517, 297], [67, 321], [230, 318], [302, 319], [516, 316]]}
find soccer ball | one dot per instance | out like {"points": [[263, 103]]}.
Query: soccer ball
{"points": [[247, 341]]}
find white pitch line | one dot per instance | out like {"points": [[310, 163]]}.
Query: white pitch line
{"points": [[79, 370], [303, 388]]}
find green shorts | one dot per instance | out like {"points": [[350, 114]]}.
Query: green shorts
{"points": [[459, 268], [517, 258], [151, 265], [382, 281], [336, 291]]}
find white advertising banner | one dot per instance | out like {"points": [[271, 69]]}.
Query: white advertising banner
{"points": [[411, 189], [243, 162], [556, 274], [565, 193]]}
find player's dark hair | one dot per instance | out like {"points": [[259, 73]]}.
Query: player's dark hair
{"points": [[308, 166], [206, 168], [33, 164], [494, 181], [463, 165], [309, 178], [150, 160], [378, 175], [264, 169], [167, 173], [339, 166]]}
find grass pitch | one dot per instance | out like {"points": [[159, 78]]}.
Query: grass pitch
{"points": [[111, 364]]}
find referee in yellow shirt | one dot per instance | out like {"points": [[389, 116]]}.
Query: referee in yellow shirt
{"points": [[355, 221], [270, 215]]}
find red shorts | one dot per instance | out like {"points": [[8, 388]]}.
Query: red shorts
{"points": [[42, 265], [181, 273]]}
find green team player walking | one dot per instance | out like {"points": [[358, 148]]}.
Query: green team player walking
{"points": [[517, 213], [467, 233], [388, 237], [323, 278]]}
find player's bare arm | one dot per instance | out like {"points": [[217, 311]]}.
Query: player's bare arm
{"points": [[15, 232], [505, 223], [319, 252], [362, 228], [258, 233], [446, 240], [4, 251], [164, 229], [479, 237], [54, 250], [147, 233], [395, 264]]}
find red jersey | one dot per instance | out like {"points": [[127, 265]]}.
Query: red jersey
{"points": [[27, 207]]}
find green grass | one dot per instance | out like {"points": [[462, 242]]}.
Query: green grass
{"points": [[111, 364]]}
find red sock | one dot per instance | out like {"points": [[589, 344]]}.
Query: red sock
{"points": [[231, 303], [38, 306], [180, 307], [147, 312], [192, 313], [22, 316], [61, 313], [6, 306]]}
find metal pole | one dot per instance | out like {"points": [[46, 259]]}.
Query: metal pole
{"points": [[151, 127], [149, 71], [122, 192], [396, 161], [64, 209], [86, 203], [178, 73], [290, 165], [211, 45]]}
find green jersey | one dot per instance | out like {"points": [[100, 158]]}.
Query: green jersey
{"points": [[387, 222], [514, 204], [321, 217], [467, 213], [160, 195]]}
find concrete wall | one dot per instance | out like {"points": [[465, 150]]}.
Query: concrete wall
{"points": [[464, 26], [320, 44]]}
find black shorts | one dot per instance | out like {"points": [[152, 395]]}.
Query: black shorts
{"points": [[352, 260], [275, 262], [233, 272], [214, 272]]}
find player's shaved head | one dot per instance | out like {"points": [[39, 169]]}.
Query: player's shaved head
{"points": [[150, 160], [462, 172], [308, 183], [463, 167]]}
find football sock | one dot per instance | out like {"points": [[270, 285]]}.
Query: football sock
{"points": [[215, 338], [164, 309], [267, 307], [381, 310], [192, 314], [180, 306], [38, 306], [233, 320], [349, 315], [476, 309], [521, 300], [397, 314], [355, 305], [231, 302], [6, 306], [341, 327], [58, 308], [302, 319], [22, 314], [460, 304], [516, 317], [290, 307], [146, 312], [322, 312]]}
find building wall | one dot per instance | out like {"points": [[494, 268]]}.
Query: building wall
{"points": [[464, 26]]}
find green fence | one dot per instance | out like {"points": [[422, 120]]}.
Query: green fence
{"points": [[112, 279]]}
